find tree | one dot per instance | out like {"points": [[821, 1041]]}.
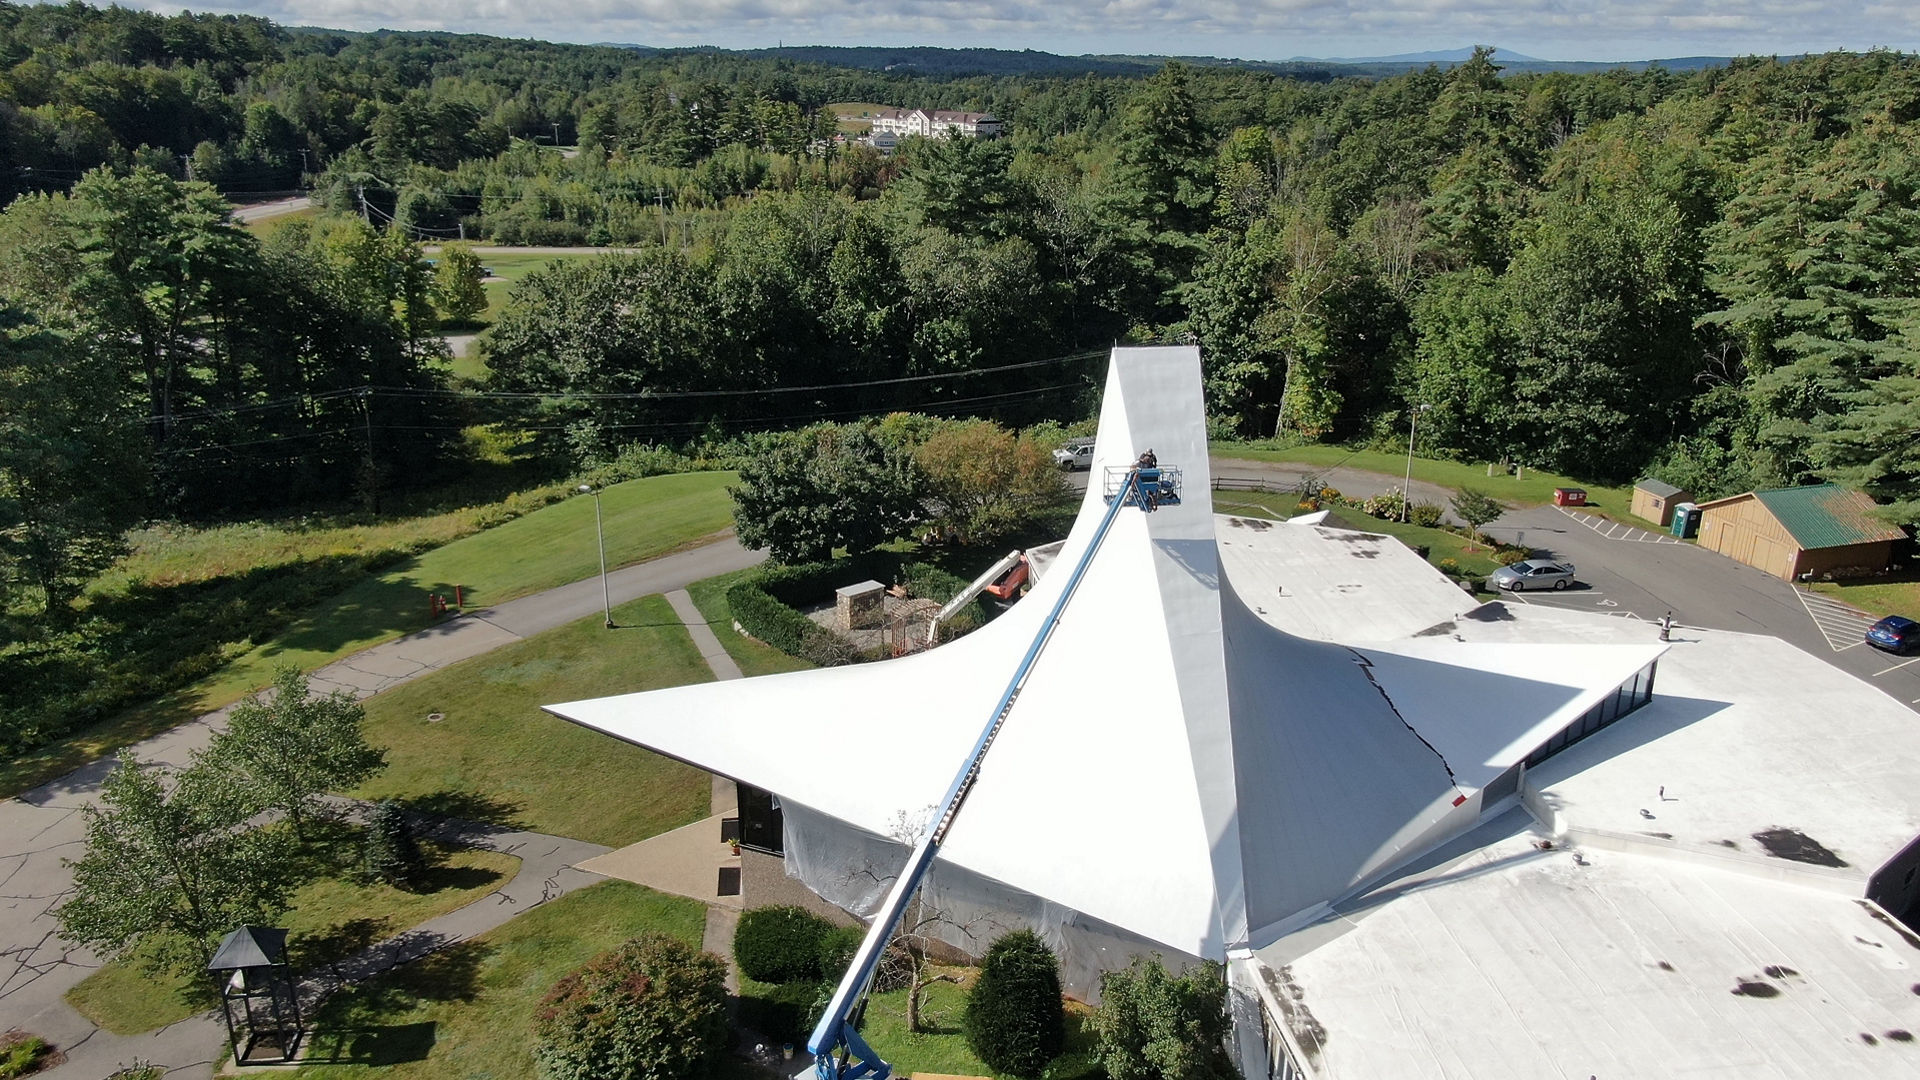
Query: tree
{"points": [[390, 854], [457, 291], [72, 478], [168, 872], [1476, 508], [284, 751], [985, 482], [652, 1009], [1015, 1021], [1154, 1025], [823, 487]]}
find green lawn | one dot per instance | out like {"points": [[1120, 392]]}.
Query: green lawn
{"points": [[497, 757], [466, 1012], [944, 1049], [548, 547], [328, 918], [1473, 560], [1895, 594], [754, 657], [1536, 487]]}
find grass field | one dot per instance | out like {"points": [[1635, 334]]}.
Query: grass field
{"points": [[944, 1049], [466, 1012], [853, 116], [328, 918], [1473, 560], [1895, 594], [754, 657], [551, 546], [266, 227], [1535, 487], [497, 757]]}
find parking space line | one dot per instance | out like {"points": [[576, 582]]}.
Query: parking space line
{"points": [[1897, 667], [1618, 530], [1837, 622]]}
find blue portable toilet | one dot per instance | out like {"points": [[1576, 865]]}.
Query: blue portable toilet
{"points": [[1686, 520]]}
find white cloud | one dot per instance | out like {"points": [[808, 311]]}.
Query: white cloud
{"points": [[1260, 29]]}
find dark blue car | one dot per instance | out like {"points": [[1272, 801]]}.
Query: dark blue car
{"points": [[1894, 634]]}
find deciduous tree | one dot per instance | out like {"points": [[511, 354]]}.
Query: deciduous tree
{"points": [[166, 872], [284, 749]]}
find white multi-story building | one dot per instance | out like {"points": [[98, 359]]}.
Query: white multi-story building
{"points": [[940, 123]]}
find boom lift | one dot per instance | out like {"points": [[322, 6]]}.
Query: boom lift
{"points": [[839, 1051]]}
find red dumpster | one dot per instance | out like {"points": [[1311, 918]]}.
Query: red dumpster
{"points": [[1569, 496]]}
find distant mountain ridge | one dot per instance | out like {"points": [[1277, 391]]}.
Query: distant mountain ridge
{"points": [[1437, 56], [930, 60]]}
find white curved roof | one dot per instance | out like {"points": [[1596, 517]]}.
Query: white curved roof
{"points": [[1178, 765]]}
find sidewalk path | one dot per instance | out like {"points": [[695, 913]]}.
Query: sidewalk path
{"points": [[42, 827]]}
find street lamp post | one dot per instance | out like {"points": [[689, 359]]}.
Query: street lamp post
{"points": [[600, 533], [1406, 489]]}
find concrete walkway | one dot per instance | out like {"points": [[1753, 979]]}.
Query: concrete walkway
{"points": [[44, 826]]}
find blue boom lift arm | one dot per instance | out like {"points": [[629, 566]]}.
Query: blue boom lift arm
{"points": [[839, 1051]]}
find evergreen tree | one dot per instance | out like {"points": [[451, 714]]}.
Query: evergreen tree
{"points": [[1014, 1018]]}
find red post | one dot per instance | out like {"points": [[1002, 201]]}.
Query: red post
{"points": [[459, 596]]}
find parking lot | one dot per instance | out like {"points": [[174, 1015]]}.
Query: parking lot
{"points": [[1634, 573]]}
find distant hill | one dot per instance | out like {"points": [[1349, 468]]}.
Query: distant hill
{"points": [[959, 63], [1437, 56]]}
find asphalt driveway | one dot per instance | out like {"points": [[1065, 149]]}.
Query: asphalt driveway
{"points": [[1634, 573]]}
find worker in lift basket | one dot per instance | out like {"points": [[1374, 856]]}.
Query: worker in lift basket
{"points": [[1147, 460]]}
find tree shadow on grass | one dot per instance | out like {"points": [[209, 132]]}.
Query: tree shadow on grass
{"points": [[373, 1044], [459, 817]]}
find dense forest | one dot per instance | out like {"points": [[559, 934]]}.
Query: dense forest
{"points": [[1709, 275]]}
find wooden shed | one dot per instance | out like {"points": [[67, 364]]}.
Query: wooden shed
{"points": [[1791, 532], [1654, 500]]}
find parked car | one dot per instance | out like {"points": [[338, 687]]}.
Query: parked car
{"points": [[1895, 633], [1074, 455], [1531, 574]]}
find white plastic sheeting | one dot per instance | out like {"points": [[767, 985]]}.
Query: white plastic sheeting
{"points": [[1178, 769]]}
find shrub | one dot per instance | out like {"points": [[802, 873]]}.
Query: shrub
{"points": [[1387, 504], [652, 1009], [780, 944], [1449, 567], [837, 947], [1153, 1025], [20, 1054], [1507, 556], [1426, 515], [1014, 1020]]}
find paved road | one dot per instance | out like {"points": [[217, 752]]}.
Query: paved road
{"points": [[44, 826], [1284, 476], [1633, 573], [277, 208]]}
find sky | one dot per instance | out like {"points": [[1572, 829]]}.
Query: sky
{"points": [[1245, 29]]}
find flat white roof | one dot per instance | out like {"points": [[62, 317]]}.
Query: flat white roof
{"points": [[1332, 584], [1746, 735], [1516, 962]]}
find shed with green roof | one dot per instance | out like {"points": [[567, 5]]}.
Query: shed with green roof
{"points": [[1801, 532]]}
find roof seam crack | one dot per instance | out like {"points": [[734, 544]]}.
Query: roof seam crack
{"points": [[1366, 668]]}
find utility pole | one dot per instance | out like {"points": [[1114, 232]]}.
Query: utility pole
{"points": [[186, 162], [556, 136], [360, 192], [660, 198], [1406, 492], [302, 151]]}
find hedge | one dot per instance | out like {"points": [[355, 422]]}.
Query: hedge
{"points": [[766, 604], [779, 944]]}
